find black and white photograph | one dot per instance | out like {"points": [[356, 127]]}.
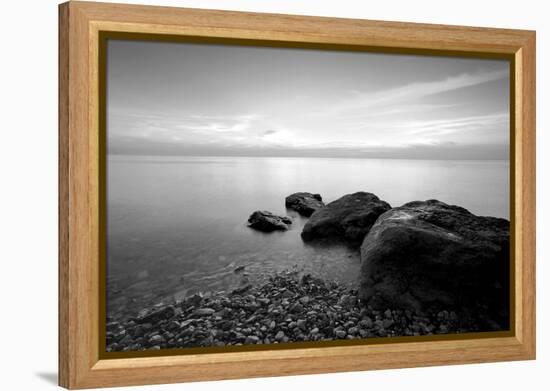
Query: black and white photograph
{"points": [[263, 195]]}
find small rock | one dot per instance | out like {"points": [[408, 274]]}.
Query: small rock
{"points": [[366, 323], [173, 325], [353, 330], [279, 336], [296, 307], [157, 315], [251, 340], [194, 300], [267, 222], [156, 339], [304, 203], [340, 334], [387, 323], [347, 301], [241, 290], [186, 323], [204, 311]]}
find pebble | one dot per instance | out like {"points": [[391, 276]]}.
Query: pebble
{"points": [[156, 339], [340, 334], [204, 311], [366, 323], [284, 308], [387, 323], [297, 307], [252, 339]]}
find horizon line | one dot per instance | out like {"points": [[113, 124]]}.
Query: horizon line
{"points": [[305, 157]]}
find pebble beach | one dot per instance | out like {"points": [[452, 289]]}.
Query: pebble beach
{"points": [[288, 307]]}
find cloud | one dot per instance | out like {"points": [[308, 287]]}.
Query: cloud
{"points": [[414, 91], [387, 123], [458, 125], [169, 125]]}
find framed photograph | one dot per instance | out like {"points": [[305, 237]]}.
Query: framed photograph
{"points": [[246, 195]]}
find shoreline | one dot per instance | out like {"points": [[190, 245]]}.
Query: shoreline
{"points": [[288, 307]]}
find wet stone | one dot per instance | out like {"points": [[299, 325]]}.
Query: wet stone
{"points": [[279, 336], [340, 334], [282, 308], [251, 339], [204, 311]]}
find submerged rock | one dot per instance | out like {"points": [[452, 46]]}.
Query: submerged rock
{"points": [[428, 254], [304, 203], [349, 218], [267, 222], [157, 315]]}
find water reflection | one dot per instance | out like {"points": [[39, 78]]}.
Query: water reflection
{"points": [[177, 225]]}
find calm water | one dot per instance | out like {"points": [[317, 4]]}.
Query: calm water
{"points": [[177, 225]]}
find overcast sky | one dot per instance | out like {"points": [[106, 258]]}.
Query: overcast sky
{"points": [[197, 99]]}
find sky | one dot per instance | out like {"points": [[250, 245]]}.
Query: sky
{"points": [[222, 100]]}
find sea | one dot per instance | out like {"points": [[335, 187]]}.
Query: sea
{"points": [[177, 225]]}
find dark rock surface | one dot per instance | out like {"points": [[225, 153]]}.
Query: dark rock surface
{"points": [[157, 315], [267, 222], [427, 254], [349, 218], [304, 203]]}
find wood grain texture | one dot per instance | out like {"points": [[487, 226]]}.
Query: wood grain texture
{"points": [[80, 365], [528, 188], [63, 200]]}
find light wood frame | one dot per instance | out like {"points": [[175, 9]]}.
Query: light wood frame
{"points": [[80, 24]]}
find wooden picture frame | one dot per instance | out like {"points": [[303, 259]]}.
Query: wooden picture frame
{"points": [[81, 25]]}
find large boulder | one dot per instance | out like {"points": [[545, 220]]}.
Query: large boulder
{"points": [[427, 255], [304, 203], [349, 218], [267, 222]]}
